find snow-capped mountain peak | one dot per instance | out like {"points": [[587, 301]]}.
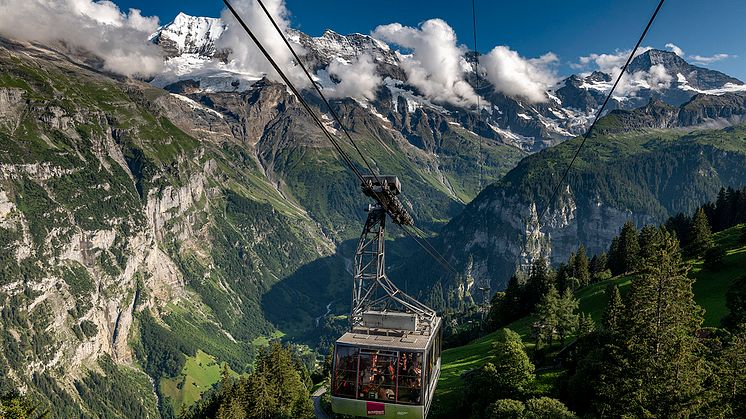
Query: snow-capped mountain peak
{"points": [[189, 35]]}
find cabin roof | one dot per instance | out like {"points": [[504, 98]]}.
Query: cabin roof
{"points": [[407, 340]]}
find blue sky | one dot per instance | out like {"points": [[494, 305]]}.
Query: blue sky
{"points": [[570, 29]]}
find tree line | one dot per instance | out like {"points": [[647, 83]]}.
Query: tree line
{"points": [[279, 387], [651, 356]]}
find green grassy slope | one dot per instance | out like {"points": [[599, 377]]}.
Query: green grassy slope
{"points": [[710, 288]]}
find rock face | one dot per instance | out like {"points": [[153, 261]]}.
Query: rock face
{"points": [[189, 42], [136, 222], [682, 82], [633, 173], [701, 110]]}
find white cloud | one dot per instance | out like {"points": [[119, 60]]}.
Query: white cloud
{"points": [[705, 60], [607, 63], [120, 39], [358, 79], [514, 75], [655, 79], [246, 56], [434, 64], [675, 49]]}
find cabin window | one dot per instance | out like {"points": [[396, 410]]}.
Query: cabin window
{"points": [[410, 378], [377, 378], [345, 372]]}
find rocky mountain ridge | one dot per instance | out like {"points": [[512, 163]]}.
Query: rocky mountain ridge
{"points": [[509, 120]]}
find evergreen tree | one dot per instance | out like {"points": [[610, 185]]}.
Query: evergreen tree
{"points": [[563, 276], [701, 235], [714, 257], [743, 234], [547, 313], [581, 268], [612, 317], [681, 224], [437, 298], [275, 389], [647, 237], [658, 371], [15, 406], [567, 318], [586, 326], [538, 283], [508, 376], [731, 371], [625, 250], [615, 258], [598, 265], [511, 306], [735, 301]]}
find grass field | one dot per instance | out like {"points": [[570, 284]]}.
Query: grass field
{"points": [[198, 375], [709, 292]]}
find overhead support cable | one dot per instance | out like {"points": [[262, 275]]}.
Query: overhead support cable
{"points": [[383, 198], [295, 91], [480, 158], [316, 87], [600, 111]]}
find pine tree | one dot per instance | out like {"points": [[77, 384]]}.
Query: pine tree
{"points": [[539, 281], [731, 365], [511, 306], [660, 370], [680, 224], [735, 301], [547, 313], [586, 326], [567, 318], [563, 276], [701, 235], [625, 250], [598, 264], [582, 271], [615, 257], [612, 317]]}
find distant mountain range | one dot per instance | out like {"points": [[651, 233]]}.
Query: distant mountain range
{"points": [[195, 61], [141, 225]]}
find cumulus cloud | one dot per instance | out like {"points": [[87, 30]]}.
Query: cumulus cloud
{"points": [[675, 49], [358, 79], [607, 63], [432, 60], [656, 79], [705, 60], [514, 75], [120, 39], [245, 56]]}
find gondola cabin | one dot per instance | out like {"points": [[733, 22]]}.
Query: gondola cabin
{"points": [[387, 368]]}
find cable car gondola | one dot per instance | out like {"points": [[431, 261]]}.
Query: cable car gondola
{"points": [[388, 364]]}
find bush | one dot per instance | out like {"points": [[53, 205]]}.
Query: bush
{"points": [[506, 409], [547, 408], [714, 257]]}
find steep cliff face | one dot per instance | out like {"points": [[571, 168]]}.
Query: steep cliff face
{"points": [[138, 226], [109, 211], [642, 175]]}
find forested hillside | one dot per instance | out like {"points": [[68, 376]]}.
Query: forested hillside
{"points": [[644, 175], [586, 332]]}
